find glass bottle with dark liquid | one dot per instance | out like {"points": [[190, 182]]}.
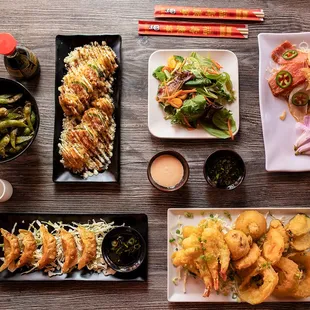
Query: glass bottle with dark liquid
{"points": [[20, 62]]}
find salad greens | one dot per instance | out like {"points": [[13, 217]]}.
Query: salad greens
{"points": [[193, 92]]}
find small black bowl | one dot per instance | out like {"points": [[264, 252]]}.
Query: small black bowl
{"points": [[224, 154], [107, 253], [185, 168], [12, 87]]}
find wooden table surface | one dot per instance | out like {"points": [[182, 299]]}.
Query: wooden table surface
{"points": [[35, 24]]}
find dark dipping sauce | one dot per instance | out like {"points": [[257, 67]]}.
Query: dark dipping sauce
{"points": [[124, 249], [224, 169]]}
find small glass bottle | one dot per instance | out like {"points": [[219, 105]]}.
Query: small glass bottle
{"points": [[20, 62]]}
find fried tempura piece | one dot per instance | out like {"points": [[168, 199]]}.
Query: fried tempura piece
{"points": [[48, 248], [216, 251], [289, 277], [303, 262], [11, 250], [277, 225], [251, 223], [259, 284], [69, 250], [299, 225], [238, 244], [89, 247], [249, 259], [191, 256], [273, 246], [29, 244], [301, 243]]}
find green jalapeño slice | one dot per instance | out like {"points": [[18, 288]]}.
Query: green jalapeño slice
{"points": [[284, 79], [300, 99], [289, 54]]}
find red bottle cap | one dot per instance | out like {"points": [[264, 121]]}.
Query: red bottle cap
{"points": [[7, 44]]}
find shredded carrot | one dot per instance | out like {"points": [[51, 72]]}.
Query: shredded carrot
{"points": [[180, 92], [187, 91], [229, 130], [176, 102], [166, 68], [216, 64], [208, 100], [183, 97], [187, 123], [172, 96], [213, 72]]}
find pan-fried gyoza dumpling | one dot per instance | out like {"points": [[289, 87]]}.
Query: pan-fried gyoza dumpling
{"points": [[69, 250], [89, 247], [49, 248], [30, 246], [11, 250]]}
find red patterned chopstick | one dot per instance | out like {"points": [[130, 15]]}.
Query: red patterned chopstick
{"points": [[171, 11], [161, 28]]}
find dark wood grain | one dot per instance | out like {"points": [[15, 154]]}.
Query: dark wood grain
{"points": [[35, 24]]}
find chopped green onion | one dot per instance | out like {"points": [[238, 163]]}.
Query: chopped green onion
{"points": [[189, 215], [171, 240], [227, 214]]}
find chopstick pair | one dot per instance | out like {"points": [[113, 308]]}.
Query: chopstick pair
{"points": [[163, 28], [170, 11]]}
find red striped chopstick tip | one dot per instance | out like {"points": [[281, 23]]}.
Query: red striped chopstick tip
{"points": [[163, 28], [171, 11]]}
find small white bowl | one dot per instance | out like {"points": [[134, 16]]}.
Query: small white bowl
{"points": [[6, 190]]}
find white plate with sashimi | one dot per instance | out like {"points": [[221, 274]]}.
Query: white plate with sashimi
{"points": [[284, 97]]}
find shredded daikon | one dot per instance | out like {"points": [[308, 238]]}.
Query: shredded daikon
{"points": [[100, 229]]}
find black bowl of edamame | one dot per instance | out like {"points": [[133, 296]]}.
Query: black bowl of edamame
{"points": [[19, 119]]}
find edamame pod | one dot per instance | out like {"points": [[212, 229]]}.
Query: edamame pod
{"points": [[22, 139], [12, 123], [27, 114], [7, 99], [13, 137]]}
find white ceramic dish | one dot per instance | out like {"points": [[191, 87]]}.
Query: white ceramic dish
{"points": [[279, 136], [161, 128], [195, 287]]}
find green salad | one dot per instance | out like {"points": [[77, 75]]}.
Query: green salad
{"points": [[194, 92]]}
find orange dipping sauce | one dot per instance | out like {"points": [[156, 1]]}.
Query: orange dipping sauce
{"points": [[167, 171]]}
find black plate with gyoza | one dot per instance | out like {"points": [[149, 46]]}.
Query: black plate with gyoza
{"points": [[137, 221]]}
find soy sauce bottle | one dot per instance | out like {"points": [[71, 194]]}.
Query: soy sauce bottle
{"points": [[20, 62]]}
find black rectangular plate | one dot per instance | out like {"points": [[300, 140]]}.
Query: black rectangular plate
{"points": [[137, 221], [64, 45]]}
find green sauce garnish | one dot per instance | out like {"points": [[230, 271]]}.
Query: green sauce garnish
{"points": [[124, 249], [224, 171]]}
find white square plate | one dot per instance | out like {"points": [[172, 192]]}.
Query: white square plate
{"points": [[161, 128], [195, 287], [279, 136]]}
